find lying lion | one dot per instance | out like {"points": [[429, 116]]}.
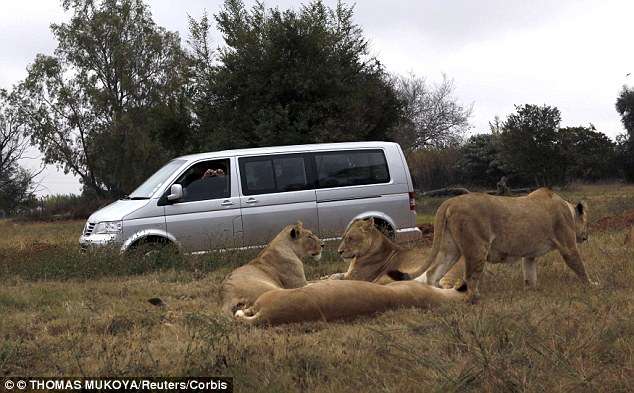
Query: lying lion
{"points": [[279, 265], [332, 299], [372, 255], [485, 228]]}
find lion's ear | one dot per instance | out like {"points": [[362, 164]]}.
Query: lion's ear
{"points": [[581, 208], [370, 221], [297, 229]]}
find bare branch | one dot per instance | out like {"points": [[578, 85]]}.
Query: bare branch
{"points": [[432, 116]]}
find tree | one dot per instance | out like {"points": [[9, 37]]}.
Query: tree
{"points": [[625, 108], [287, 77], [587, 154], [16, 183], [110, 105], [529, 144], [479, 163], [431, 115]]}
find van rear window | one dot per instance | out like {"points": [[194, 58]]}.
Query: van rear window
{"points": [[351, 168]]}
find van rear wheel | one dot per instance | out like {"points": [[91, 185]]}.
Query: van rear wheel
{"points": [[386, 228]]}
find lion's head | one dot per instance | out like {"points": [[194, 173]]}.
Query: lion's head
{"points": [[581, 221], [359, 238], [304, 242]]}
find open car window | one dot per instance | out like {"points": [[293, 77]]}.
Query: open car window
{"points": [[206, 180]]}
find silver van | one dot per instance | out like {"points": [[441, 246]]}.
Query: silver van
{"points": [[243, 198]]}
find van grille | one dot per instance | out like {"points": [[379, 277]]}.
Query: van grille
{"points": [[89, 228]]}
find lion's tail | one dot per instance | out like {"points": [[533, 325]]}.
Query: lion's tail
{"points": [[440, 223]]}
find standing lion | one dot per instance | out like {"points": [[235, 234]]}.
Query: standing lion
{"points": [[496, 229]]}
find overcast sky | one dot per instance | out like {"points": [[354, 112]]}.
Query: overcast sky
{"points": [[571, 54]]}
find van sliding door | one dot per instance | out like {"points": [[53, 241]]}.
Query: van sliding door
{"points": [[275, 191]]}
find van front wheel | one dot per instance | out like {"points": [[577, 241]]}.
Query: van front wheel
{"points": [[152, 247]]}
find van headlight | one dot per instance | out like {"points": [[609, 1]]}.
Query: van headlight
{"points": [[108, 227]]}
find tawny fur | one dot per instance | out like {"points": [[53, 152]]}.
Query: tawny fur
{"points": [[629, 237], [372, 255], [279, 265], [485, 228], [341, 299]]}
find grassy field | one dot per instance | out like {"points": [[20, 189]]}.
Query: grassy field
{"points": [[64, 313]]}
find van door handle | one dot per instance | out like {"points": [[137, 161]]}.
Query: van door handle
{"points": [[226, 203], [251, 200]]}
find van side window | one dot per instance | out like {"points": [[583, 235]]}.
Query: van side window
{"points": [[269, 174], [259, 176], [290, 173], [206, 180], [351, 168]]}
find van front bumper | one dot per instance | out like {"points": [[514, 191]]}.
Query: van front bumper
{"points": [[408, 235], [99, 240]]}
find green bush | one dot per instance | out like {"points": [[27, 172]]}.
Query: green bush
{"points": [[63, 207]]}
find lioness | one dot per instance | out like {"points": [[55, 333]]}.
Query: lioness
{"points": [[277, 266], [334, 299], [501, 229], [372, 255]]}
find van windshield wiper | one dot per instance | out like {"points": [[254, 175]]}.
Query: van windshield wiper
{"points": [[127, 197]]}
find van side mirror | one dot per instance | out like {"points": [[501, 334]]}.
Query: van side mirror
{"points": [[176, 193]]}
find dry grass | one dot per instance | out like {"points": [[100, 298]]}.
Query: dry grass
{"points": [[87, 314]]}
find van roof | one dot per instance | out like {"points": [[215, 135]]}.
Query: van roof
{"points": [[287, 149]]}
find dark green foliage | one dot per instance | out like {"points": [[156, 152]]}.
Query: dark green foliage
{"points": [[102, 105], [16, 191], [529, 143], [587, 154], [480, 163], [625, 108], [531, 149], [16, 183], [289, 77]]}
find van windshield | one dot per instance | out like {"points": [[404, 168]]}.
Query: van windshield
{"points": [[151, 185]]}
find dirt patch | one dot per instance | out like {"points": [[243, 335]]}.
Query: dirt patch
{"points": [[618, 222], [37, 246], [428, 233]]}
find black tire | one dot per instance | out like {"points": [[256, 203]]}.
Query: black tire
{"points": [[150, 248]]}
